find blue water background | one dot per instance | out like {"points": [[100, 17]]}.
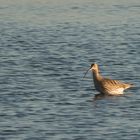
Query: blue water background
{"points": [[45, 48]]}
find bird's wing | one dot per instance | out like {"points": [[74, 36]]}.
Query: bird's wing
{"points": [[111, 84]]}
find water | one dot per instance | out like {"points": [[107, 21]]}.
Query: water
{"points": [[45, 48]]}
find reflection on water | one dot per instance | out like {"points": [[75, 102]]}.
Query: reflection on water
{"points": [[101, 96], [45, 47]]}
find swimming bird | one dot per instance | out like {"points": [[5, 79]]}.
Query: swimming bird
{"points": [[107, 86]]}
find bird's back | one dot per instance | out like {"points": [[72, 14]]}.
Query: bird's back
{"points": [[112, 87]]}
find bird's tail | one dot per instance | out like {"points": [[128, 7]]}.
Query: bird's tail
{"points": [[128, 86]]}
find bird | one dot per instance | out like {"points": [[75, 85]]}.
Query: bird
{"points": [[107, 86]]}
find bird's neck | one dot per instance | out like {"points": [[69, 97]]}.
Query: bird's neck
{"points": [[96, 75]]}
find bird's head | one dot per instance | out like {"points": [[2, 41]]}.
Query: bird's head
{"points": [[94, 67]]}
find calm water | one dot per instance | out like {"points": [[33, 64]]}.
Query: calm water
{"points": [[45, 48]]}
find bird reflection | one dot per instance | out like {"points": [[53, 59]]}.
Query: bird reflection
{"points": [[98, 96], [101, 96]]}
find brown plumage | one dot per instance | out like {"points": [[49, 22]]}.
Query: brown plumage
{"points": [[107, 86]]}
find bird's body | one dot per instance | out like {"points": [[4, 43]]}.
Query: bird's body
{"points": [[107, 86]]}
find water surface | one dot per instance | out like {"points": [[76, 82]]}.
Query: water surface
{"points": [[45, 48]]}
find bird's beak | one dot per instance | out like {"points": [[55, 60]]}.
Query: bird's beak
{"points": [[86, 72]]}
